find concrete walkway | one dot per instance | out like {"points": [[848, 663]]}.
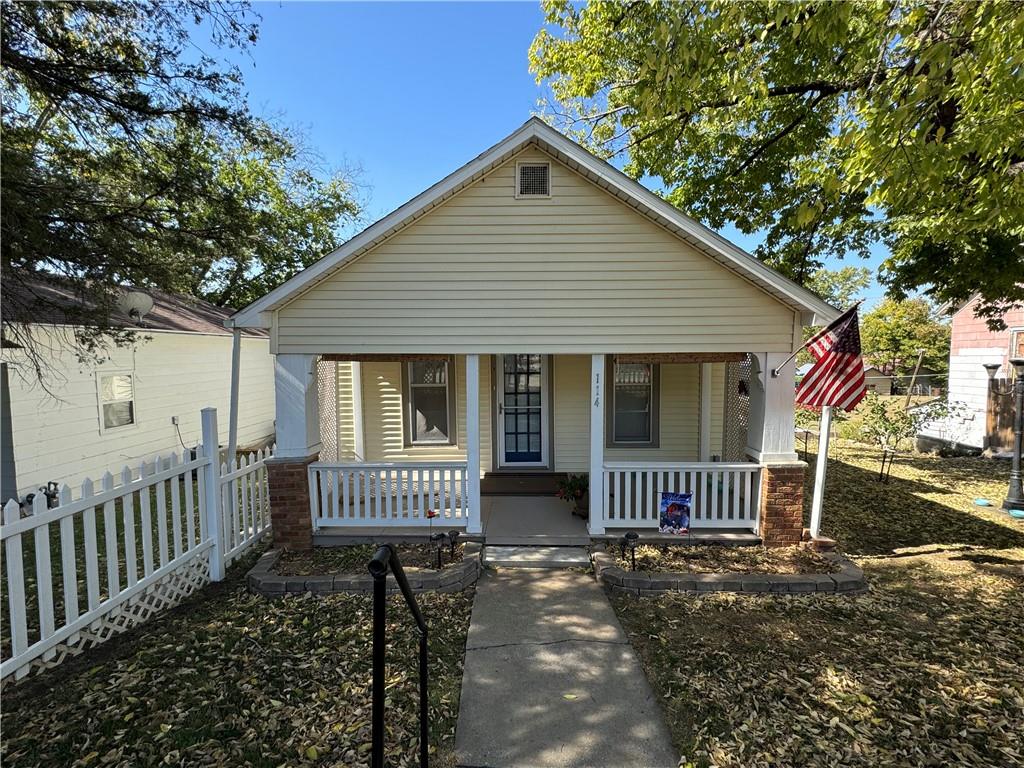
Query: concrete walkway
{"points": [[551, 680]]}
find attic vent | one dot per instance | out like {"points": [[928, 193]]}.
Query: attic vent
{"points": [[534, 180]]}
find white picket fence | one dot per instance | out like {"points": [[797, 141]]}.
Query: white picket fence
{"points": [[724, 495], [245, 503], [108, 558]]}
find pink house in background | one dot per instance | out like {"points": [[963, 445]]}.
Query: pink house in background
{"points": [[972, 346]]}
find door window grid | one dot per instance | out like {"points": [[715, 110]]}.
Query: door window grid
{"points": [[522, 404]]}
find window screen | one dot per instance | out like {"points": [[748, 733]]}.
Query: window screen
{"points": [[534, 180], [429, 420], [633, 398], [117, 400]]}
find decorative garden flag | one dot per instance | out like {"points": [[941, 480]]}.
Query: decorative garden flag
{"points": [[675, 513], [837, 376]]}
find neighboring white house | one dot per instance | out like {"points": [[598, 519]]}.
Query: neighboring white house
{"points": [[973, 346], [535, 313], [101, 417]]}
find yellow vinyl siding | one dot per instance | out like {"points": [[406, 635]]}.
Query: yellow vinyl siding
{"points": [[346, 422], [679, 416], [384, 414], [579, 272], [717, 408]]}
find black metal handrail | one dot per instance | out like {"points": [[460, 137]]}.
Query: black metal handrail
{"points": [[384, 559]]}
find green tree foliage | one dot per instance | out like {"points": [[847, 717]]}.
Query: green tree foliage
{"points": [[894, 331], [840, 287], [887, 424], [130, 157], [825, 125]]}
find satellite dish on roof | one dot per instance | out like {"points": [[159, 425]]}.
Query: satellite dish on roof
{"points": [[135, 304]]}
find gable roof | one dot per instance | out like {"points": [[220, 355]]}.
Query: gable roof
{"points": [[53, 300], [606, 176]]}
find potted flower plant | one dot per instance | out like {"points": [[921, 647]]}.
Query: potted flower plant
{"points": [[576, 490]]}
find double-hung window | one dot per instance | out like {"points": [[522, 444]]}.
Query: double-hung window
{"points": [[117, 400], [430, 402], [634, 404]]}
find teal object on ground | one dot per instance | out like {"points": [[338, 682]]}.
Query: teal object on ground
{"points": [[1017, 514], [982, 503]]}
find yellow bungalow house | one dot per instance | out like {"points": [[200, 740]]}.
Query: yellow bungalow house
{"points": [[535, 313]]}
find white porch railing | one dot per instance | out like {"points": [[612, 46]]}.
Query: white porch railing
{"points": [[725, 495], [388, 494]]}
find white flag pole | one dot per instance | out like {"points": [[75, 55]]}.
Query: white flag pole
{"points": [[824, 431]]}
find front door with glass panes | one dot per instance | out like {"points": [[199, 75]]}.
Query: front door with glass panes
{"points": [[522, 410]]}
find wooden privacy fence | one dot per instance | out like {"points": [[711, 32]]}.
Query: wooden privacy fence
{"points": [[388, 494], [725, 495], [109, 557]]}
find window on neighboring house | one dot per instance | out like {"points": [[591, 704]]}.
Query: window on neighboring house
{"points": [[1016, 342], [117, 400], [430, 402], [634, 404]]}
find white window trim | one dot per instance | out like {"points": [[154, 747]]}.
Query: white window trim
{"points": [[450, 400], [99, 401], [521, 163]]}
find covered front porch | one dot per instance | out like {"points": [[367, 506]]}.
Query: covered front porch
{"points": [[716, 423]]}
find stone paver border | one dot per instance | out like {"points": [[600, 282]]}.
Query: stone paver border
{"points": [[848, 580], [262, 579]]}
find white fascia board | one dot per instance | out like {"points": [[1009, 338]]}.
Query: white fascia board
{"points": [[711, 243]]}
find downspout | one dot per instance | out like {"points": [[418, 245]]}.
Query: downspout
{"points": [[236, 360]]}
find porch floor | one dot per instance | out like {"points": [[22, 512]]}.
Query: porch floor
{"points": [[531, 520]]}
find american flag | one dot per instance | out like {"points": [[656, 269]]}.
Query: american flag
{"points": [[837, 376]]}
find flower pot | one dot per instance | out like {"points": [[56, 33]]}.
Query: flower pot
{"points": [[582, 506]]}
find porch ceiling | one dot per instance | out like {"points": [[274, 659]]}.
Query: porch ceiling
{"points": [[628, 357]]}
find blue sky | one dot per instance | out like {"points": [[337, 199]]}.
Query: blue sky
{"points": [[405, 92]]}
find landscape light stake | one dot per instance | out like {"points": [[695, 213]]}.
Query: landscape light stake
{"points": [[631, 538], [453, 537], [438, 540]]}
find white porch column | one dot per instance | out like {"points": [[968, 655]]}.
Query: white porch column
{"points": [[770, 434], [597, 410], [473, 524], [297, 399], [297, 406], [705, 412]]}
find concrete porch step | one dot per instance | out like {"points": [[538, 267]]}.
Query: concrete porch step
{"points": [[520, 483], [535, 557], [539, 540]]}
